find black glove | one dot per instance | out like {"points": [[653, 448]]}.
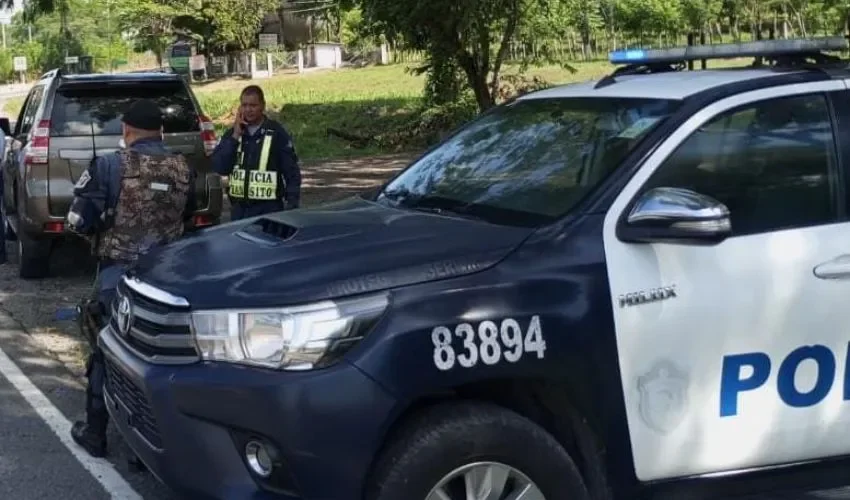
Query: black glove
{"points": [[90, 320]]}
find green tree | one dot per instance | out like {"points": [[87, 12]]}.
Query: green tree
{"points": [[151, 23], [698, 14], [38, 8], [222, 24], [474, 35]]}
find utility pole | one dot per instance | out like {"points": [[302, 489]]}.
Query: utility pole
{"points": [[109, 34]]}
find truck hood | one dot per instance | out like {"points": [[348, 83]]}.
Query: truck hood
{"points": [[350, 247]]}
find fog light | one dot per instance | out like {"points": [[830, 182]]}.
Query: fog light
{"points": [[258, 458]]}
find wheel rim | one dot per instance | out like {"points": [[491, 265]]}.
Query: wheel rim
{"points": [[485, 481]]}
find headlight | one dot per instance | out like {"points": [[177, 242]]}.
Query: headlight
{"points": [[290, 338]]}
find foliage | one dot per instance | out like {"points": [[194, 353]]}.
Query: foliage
{"points": [[150, 23], [86, 34], [466, 45], [223, 24], [473, 35]]}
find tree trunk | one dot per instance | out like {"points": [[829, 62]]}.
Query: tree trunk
{"points": [[63, 20], [803, 30], [507, 36], [477, 81]]}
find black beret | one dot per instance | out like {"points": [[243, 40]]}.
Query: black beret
{"points": [[143, 114]]}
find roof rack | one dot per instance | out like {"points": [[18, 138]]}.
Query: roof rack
{"points": [[791, 53], [53, 73]]}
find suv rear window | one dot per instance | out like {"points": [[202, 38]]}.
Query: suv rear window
{"points": [[86, 109]]}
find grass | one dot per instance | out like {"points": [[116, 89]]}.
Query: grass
{"points": [[353, 100]]}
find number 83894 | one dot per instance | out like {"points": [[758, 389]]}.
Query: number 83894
{"points": [[488, 343]]}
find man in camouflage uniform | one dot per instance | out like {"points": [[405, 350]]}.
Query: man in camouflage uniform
{"points": [[126, 203]]}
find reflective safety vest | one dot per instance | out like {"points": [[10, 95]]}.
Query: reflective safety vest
{"points": [[250, 184]]}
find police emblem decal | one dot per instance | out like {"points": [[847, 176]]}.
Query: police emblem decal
{"points": [[124, 315], [663, 396]]}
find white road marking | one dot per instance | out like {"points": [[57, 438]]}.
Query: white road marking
{"points": [[99, 468]]}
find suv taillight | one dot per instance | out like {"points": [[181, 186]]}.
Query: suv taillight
{"points": [[37, 151], [207, 134]]}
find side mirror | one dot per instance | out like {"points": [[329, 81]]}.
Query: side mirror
{"points": [[676, 215], [6, 127]]}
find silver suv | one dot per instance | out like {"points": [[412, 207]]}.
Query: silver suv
{"points": [[66, 122]]}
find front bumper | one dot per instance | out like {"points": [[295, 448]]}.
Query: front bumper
{"points": [[184, 423]]}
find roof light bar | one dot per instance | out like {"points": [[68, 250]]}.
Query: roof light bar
{"points": [[763, 48]]}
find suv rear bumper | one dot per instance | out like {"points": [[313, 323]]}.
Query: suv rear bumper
{"points": [[37, 221], [191, 423]]}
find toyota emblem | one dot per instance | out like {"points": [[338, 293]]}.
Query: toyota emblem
{"points": [[124, 315]]}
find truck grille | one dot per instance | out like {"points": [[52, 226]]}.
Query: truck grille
{"points": [[128, 393], [154, 329]]}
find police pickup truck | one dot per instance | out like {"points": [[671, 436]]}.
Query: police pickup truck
{"points": [[629, 288]]}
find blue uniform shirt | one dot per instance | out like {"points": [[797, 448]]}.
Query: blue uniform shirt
{"points": [[283, 158], [98, 188]]}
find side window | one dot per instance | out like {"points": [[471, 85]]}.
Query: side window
{"points": [[29, 112], [772, 163], [19, 121]]}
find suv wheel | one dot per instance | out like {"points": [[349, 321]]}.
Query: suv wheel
{"points": [[33, 257], [464, 451]]}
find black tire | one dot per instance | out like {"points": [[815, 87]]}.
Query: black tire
{"points": [[33, 257], [452, 435]]}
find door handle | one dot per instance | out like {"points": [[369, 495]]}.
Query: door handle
{"points": [[835, 269]]}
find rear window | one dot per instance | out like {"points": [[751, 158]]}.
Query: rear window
{"points": [[97, 109]]}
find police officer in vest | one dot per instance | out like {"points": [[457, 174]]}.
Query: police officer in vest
{"points": [[258, 156], [126, 203]]}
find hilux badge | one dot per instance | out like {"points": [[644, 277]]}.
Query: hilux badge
{"points": [[646, 296]]}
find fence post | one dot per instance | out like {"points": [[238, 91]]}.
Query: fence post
{"points": [[253, 63], [300, 60], [269, 64], [337, 57], [385, 54]]}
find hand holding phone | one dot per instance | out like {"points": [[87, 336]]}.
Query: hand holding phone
{"points": [[238, 123]]}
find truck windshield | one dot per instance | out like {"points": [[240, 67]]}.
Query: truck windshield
{"points": [[529, 162]]}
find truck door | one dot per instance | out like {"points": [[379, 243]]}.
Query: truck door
{"points": [[733, 353]]}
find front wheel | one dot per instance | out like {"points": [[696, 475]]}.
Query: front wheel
{"points": [[471, 451]]}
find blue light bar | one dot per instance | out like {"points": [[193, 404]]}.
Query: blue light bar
{"points": [[627, 56], [763, 48]]}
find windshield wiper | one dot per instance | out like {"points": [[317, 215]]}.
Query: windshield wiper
{"points": [[404, 199], [445, 211]]}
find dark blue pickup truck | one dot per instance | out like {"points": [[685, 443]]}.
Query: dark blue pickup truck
{"points": [[621, 289]]}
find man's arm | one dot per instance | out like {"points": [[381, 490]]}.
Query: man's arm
{"points": [[90, 198], [288, 167], [224, 155]]}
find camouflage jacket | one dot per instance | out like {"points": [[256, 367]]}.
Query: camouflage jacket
{"points": [[152, 197]]}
